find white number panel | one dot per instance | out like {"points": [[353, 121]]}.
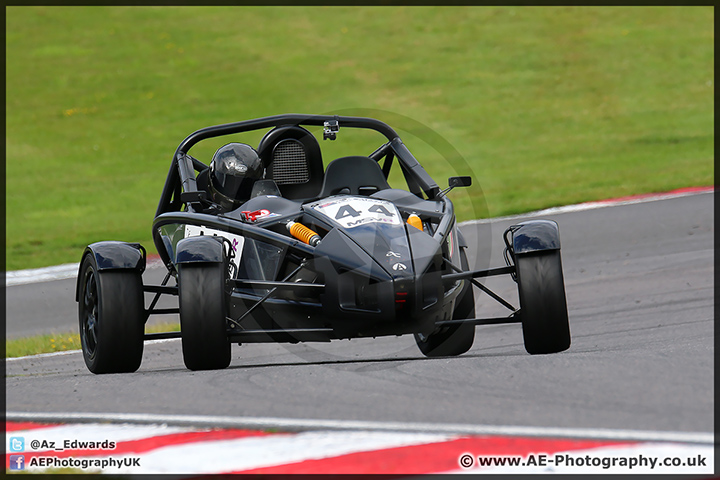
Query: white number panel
{"points": [[351, 212], [236, 241]]}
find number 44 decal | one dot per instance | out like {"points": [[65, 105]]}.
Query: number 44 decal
{"points": [[348, 210], [351, 212]]}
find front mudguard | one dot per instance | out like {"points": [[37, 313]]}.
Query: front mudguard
{"points": [[533, 236], [202, 249], [114, 255]]}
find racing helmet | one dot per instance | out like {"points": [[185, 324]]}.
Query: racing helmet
{"points": [[233, 171]]}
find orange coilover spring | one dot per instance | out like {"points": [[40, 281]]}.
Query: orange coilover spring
{"points": [[303, 233]]}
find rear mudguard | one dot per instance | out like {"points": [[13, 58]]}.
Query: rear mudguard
{"points": [[113, 255], [535, 236]]}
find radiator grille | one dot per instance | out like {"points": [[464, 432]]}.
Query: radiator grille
{"points": [[289, 163]]}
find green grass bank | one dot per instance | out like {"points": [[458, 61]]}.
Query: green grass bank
{"points": [[544, 105]]}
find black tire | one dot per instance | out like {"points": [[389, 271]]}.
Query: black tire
{"points": [[458, 339], [543, 304], [112, 318], [203, 324]]}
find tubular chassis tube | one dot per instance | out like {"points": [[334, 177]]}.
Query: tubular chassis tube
{"points": [[231, 226], [490, 272]]}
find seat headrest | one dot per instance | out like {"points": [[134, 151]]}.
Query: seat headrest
{"points": [[354, 175], [293, 160]]}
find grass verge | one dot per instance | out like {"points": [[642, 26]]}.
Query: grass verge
{"points": [[61, 342]]}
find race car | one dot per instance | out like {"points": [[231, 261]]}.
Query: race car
{"points": [[267, 244]]}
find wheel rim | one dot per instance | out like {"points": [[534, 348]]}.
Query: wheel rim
{"points": [[90, 310]]}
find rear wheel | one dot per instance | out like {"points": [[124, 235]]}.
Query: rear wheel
{"points": [[112, 318], [203, 324], [543, 304], [457, 339]]}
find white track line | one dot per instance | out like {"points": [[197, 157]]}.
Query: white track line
{"points": [[43, 355], [591, 206], [68, 352], [37, 275], [293, 424], [58, 272]]}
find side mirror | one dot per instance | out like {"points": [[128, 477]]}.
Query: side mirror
{"points": [[456, 182], [459, 182]]}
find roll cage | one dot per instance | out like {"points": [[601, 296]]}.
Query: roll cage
{"points": [[181, 186]]}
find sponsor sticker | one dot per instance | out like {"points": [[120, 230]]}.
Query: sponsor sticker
{"points": [[236, 241]]}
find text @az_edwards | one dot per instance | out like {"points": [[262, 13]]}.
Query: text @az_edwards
{"points": [[17, 444], [72, 445]]}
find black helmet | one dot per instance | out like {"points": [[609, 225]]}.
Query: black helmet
{"points": [[233, 170]]}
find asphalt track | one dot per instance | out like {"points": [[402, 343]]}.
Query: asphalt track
{"points": [[639, 281]]}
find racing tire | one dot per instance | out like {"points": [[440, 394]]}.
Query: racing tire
{"points": [[112, 318], [543, 305], [457, 339], [203, 324]]}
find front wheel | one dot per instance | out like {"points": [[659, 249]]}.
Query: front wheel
{"points": [[112, 318], [203, 324], [543, 304], [457, 339]]}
